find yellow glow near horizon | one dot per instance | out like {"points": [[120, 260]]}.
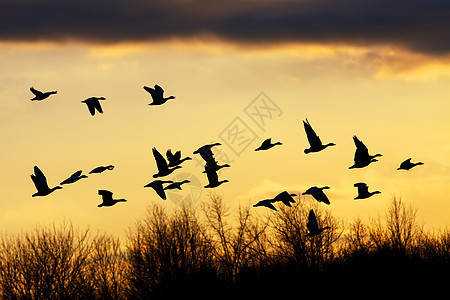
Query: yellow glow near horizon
{"points": [[394, 100]]}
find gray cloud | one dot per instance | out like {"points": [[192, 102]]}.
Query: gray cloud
{"points": [[419, 25]]}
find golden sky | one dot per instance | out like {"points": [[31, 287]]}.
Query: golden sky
{"points": [[394, 98]]}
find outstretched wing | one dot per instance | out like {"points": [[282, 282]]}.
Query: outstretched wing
{"points": [[312, 222], [361, 153], [362, 188], [159, 91], [96, 105], [213, 178], [313, 138], [152, 92], [106, 195], [39, 179], [160, 160], [36, 92]]}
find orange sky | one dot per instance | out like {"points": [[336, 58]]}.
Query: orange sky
{"points": [[394, 100]]}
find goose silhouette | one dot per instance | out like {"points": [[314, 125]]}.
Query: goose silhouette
{"points": [[38, 95], [93, 104], [74, 178], [267, 144], [101, 169], [266, 203], [157, 185], [318, 194], [362, 157], [314, 141], [161, 164], [283, 197], [176, 185], [108, 199], [407, 164], [363, 191], [175, 159], [157, 95], [213, 180], [205, 151], [40, 182], [312, 225]]}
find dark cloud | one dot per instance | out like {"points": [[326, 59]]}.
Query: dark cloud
{"points": [[419, 25]]}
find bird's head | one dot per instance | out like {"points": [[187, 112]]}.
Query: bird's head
{"points": [[325, 187]]}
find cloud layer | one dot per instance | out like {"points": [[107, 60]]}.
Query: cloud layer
{"points": [[418, 25]]}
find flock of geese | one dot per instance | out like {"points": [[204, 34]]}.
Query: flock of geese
{"points": [[173, 161]]}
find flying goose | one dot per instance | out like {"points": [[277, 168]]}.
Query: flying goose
{"points": [[407, 164], [266, 203], [205, 151], [176, 185], [94, 104], [101, 169], [363, 191], [38, 95], [318, 194], [362, 157], [40, 182], [267, 144], [213, 180], [74, 177], [157, 185], [313, 139], [161, 164], [285, 197], [312, 225], [157, 95], [175, 159], [107, 198]]}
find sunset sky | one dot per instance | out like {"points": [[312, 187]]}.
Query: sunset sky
{"points": [[376, 69]]}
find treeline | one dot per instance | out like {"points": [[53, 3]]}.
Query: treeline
{"points": [[211, 252]]}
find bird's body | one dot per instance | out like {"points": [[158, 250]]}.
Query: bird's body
{"points": [[205, 152], [40, 181], [362, 157], [101, 169], [108, 199], [74, 178], [314, 141], [93, 104], [213, 166], [161, 164], [312, 225], [157, 94], [176, 185], [407, 164], [38, 95], [318, 194], [157, 185], [175, 159], [267, 144], [363, 191]]}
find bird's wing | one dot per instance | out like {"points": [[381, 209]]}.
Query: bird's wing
{"points": [[90, 106], [161, 163], [106, 195], [361, 152], [38, 183], [159, 189], [322, 197], [96, 104], [313, 138], [151, 91], [169, 155], [312, 221], [362, 188], [212, 176], [40, 178], [36, 92], [177, 155], [159, 91], [76, 174]]}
